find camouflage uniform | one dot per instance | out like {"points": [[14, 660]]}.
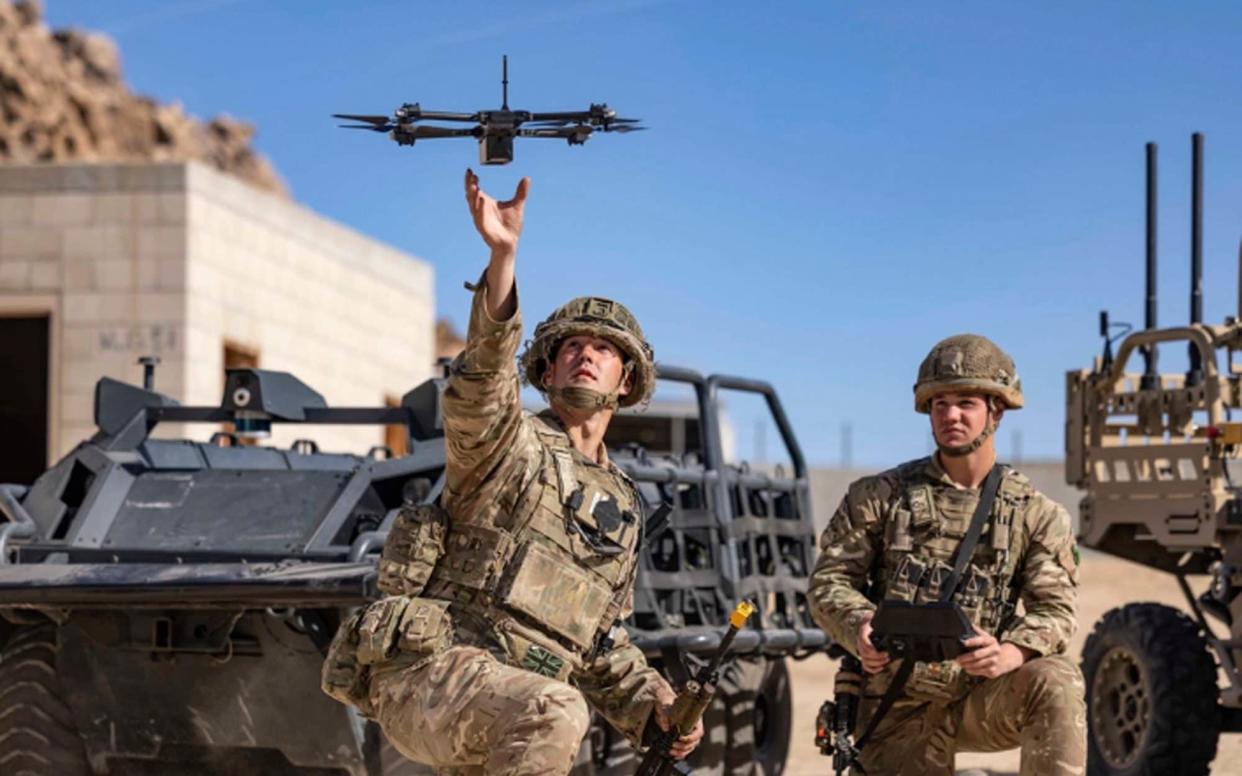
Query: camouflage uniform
{"points": [[499, 643], [895, 533]]}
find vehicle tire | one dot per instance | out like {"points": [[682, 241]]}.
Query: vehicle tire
{"points": [[1152, 699], [38, 736], [749, 722]]}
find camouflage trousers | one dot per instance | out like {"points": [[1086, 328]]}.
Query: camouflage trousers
{"points": [[1039, 707], [465, 712]]}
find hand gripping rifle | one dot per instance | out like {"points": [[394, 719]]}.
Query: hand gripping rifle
{"points": [[691, 702]]}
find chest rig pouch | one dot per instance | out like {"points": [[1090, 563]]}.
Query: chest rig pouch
{"points": [[575, 551], [414, 545], [562, 569], [921, 542], [910, 669]]}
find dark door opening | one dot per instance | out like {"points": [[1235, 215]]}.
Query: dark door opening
{"points": [[23, 398]]}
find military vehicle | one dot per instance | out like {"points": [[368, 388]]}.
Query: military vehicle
{"points": [[1155, 453], [166, 603]]}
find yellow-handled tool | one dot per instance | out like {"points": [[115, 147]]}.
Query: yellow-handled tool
{"points": [[691, 702]]}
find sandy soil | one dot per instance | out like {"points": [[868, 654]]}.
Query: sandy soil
{"points": [[1106, 583]]}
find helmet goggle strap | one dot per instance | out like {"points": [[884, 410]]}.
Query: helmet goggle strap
{"points": [[958, 451]]}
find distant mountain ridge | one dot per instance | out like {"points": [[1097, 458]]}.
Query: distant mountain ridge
{"points": [[62, 98]]}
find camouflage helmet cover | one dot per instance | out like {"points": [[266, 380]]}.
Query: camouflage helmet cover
{"points": [[596, 317], [968, 363]]}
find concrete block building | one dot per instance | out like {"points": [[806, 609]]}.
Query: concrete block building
{"points": [[102, 264]]}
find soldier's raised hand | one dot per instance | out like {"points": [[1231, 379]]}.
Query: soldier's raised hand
{"points": [[499, 223]]}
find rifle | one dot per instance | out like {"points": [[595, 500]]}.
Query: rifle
{"points": [[691, 702], [834, 725]]}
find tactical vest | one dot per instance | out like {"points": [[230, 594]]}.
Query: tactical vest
{"points": [[924, 527], [545, 586]]}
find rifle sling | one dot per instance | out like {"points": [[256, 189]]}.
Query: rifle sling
{"points": [[965, 551]]}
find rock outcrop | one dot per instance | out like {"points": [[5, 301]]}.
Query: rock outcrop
{"points": [[63, 99]]}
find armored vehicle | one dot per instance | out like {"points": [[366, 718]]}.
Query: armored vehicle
{"points": [[1155, 453], [166, 603]]}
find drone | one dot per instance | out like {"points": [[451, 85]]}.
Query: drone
{"points": [[494, 129]]}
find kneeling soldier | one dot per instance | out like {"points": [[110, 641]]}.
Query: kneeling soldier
{"points": [[504, 608], [895, 536]]}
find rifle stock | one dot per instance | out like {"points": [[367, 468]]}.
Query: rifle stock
{"points": [[690, 704]]}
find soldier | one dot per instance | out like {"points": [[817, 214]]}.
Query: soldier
{"points": [[506, 610], [894, 536]]}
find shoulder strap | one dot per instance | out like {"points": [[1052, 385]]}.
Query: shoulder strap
{"points": [[965, 551]]}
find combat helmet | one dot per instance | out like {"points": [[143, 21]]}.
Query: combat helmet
{"points": [[597, 317], [968, 363]]}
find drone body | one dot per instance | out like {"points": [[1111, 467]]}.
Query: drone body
{"points": [[494, 129]]}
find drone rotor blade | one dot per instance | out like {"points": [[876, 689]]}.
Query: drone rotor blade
{"points": [[369, 119], [625, 128], [372, 127]]}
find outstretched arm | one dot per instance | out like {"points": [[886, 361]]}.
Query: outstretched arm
{"points": [[500, 226], [482, 406]]}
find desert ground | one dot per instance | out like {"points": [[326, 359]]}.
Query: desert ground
{"points": [[1106, 583]]}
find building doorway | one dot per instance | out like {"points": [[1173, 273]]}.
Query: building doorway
{"points": [[24, 350]]}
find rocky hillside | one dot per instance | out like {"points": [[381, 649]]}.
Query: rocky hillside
{"points": [[63, 99]]}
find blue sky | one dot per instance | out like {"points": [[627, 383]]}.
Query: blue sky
{"points": [[826, 190]]}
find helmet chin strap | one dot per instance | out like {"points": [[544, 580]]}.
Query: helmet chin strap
{"points": [[589, 398], [583, 398]]}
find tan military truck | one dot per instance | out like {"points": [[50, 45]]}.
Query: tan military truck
{"points": [[1153, 451]]}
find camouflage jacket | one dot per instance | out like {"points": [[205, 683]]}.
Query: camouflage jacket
{"points": [[894, 536], [570, 574]]}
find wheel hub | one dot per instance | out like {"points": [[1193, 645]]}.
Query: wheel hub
{"points": [[1120, 707]]}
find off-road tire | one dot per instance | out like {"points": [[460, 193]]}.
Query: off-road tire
{"points": [[38, 736], [1152, 699]]}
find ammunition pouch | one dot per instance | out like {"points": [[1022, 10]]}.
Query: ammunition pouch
{"points": [[415, 544], [392, 633], [343, 677]]}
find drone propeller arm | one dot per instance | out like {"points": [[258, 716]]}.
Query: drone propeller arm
{"points": [[439, 115], [428, 131], [561, 132], [573, 115]]}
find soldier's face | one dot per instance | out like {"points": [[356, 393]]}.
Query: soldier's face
{"points": [[959, 418], [587, 362]]}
